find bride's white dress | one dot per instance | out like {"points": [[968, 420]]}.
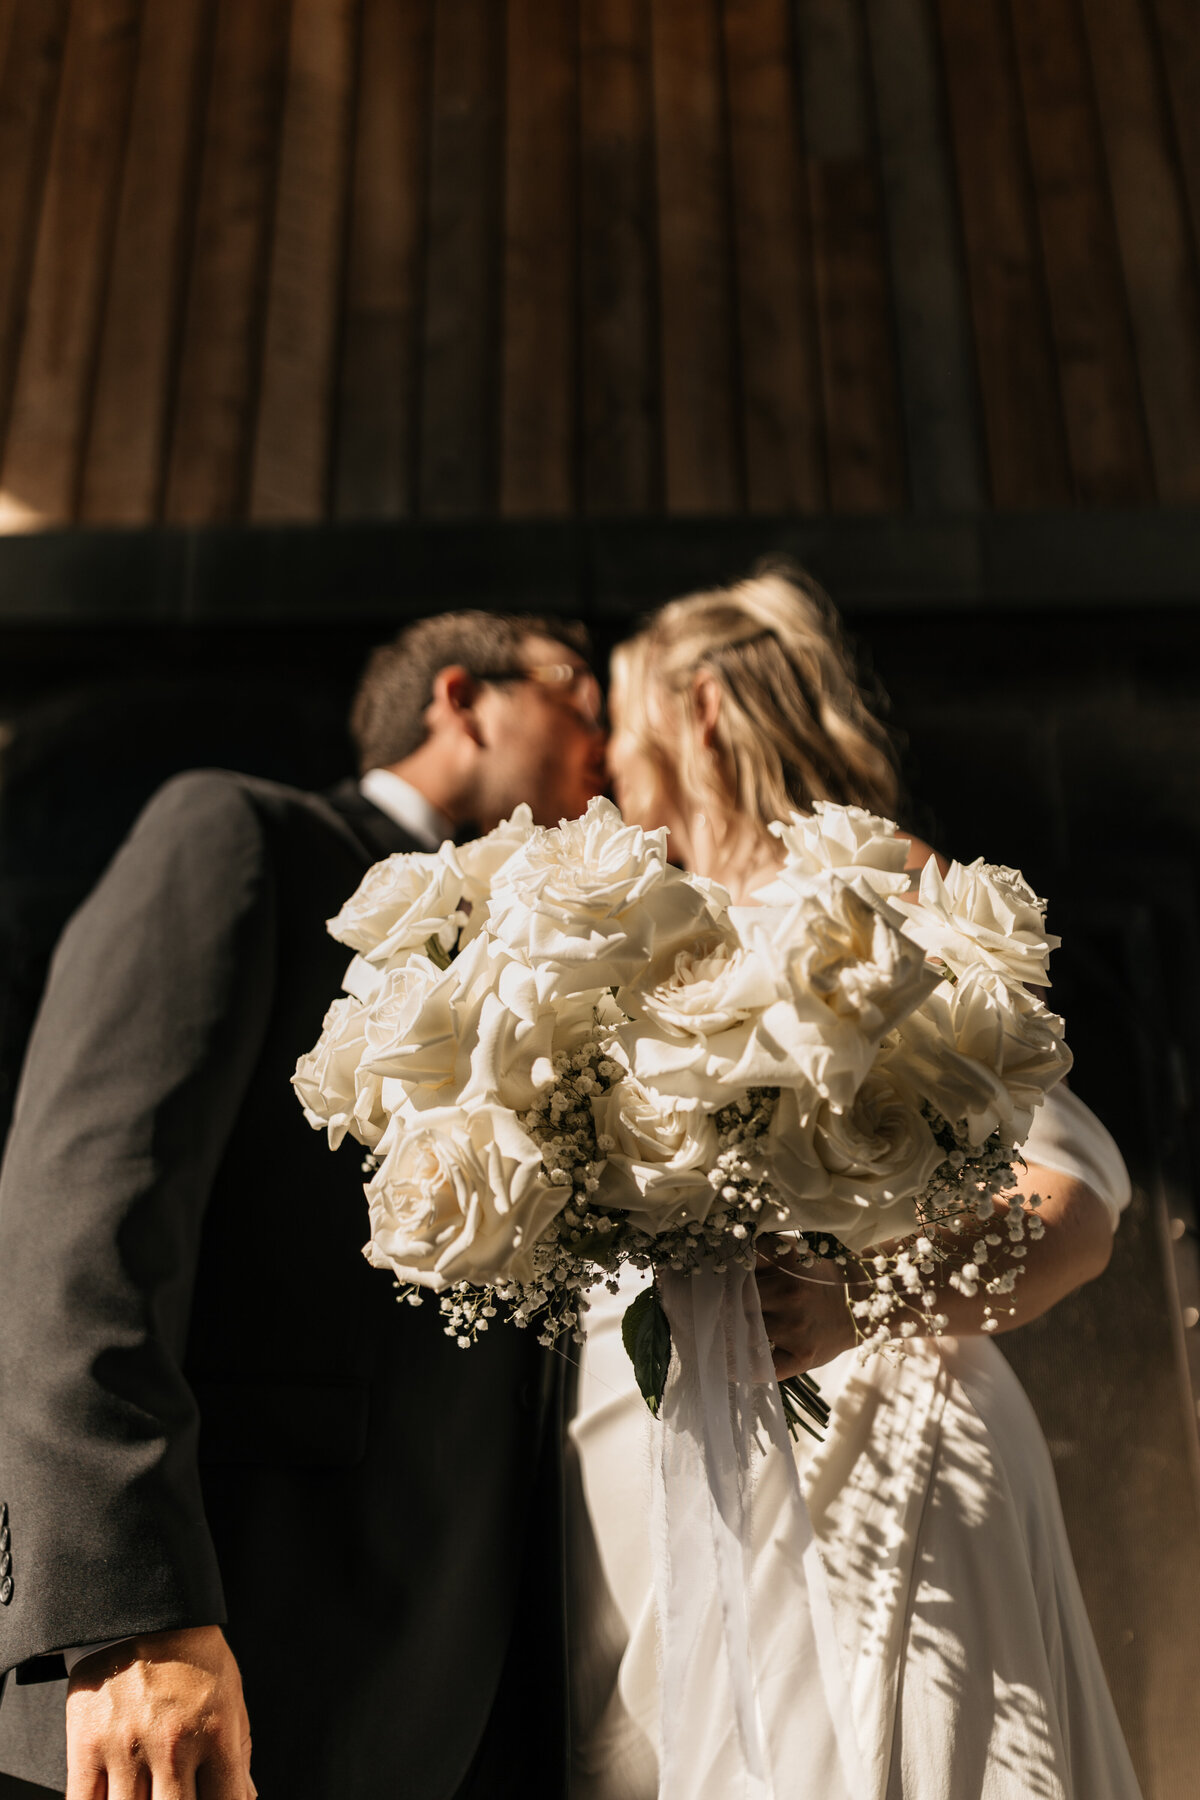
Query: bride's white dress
{"points": [[972, 1668]]}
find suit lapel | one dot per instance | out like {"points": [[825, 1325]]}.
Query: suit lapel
{"points": [[379, 835]]}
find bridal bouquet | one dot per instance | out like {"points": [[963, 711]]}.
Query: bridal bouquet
{"points": [[562, 1054]]}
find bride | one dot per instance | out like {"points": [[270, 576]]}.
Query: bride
{"points": [[969, 1662]]}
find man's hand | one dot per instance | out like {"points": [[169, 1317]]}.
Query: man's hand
{"points": [[804, 1310], [159, 1718]]}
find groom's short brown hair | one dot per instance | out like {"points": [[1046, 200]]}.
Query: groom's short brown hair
{"points": [[387, 718]]}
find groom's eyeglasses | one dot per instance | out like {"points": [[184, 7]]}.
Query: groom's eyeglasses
{"points": [[579, 688]]}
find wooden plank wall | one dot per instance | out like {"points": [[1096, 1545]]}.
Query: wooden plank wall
{"points": [[296, 260]]}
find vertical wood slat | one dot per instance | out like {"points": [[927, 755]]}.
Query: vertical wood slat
{"points": [[29, 86], [621, 458], [52, 395], [931, 313], [289, 476], [538, 366], [863, 449], [123, 467], [1101, 402], [208, 457], [1022, 409], [780, 385], [8, 18], [1179, 42], [701, 435], [459, 362], [1152, 231], [376, 432]]}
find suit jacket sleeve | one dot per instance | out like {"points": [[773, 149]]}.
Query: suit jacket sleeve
{"points": [[148, 1033]]}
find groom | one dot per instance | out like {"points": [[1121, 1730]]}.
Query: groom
{"points": [[212, 1413]]}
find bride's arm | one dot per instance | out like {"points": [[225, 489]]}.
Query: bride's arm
{"points": [[806, 1311]]}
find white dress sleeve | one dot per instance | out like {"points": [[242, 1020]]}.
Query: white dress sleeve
{"points": [[1069, 1137]]}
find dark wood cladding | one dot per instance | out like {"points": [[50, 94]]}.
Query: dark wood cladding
{"points": [[283, 261]]}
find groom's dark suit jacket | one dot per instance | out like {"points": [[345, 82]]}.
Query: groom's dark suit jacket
{"points": [[211, 1409]]}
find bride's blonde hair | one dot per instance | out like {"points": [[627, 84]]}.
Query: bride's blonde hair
{"points": [[793, 726]]}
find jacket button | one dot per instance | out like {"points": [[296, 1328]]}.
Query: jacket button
{"points": [[5, 1564], [5, 1590]]}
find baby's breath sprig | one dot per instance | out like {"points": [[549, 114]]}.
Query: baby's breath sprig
{"points": [[971, 1234]]}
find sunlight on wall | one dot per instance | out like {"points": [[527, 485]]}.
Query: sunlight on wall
{"points": [[17, 515]]}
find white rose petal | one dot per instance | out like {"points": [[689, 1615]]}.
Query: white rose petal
{"points": [[984, 1053], [658, 1166], [411, 1032], [460, 1196], [325, 1078], [364, 980], [983, 913]]}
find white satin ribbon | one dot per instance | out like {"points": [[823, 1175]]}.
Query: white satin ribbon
{"points": [[755, 1703]]}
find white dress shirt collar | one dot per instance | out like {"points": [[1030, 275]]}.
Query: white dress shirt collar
{"points": [[406, 807]]}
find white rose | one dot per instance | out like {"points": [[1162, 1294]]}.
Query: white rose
{"points": [[410, 1027], [847, 951], [789, 1159], [983, 913], [985, 1053], [460, 1196], [842, 960], [717, 1025], [928, 1066], [477, 1031], [478, 862], [398, 996], [852, 1174], [711, 986], [325, 1077], [880, 1154], [846, 841], [658, 1165], [590, 901], [399, 905]]}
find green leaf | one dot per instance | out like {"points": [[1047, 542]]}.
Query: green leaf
{"points": [[436, 954], [646, 1335]]}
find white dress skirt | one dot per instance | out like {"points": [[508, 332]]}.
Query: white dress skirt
{"points": [[972, 1668]]}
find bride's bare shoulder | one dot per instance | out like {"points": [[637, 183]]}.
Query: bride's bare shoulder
{"points": [[919, 853]]}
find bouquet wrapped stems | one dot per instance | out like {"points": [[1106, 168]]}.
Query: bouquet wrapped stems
{"points": [[646, 1332]]}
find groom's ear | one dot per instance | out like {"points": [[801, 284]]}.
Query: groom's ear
{"points": [[706, 703], [455, 693]]}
